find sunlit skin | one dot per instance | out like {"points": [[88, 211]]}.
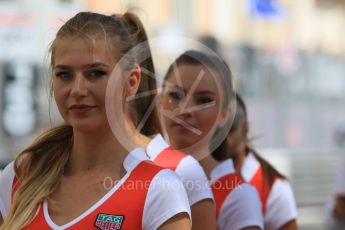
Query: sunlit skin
{"points": [[81, 71], [80, 76], [191, 104]]}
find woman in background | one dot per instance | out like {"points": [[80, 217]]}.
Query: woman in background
{"points": [[277, 199], [195, 105]]}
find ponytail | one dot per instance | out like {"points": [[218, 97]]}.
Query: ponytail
{"points": [[38, 170], [148, 83], [221, 153], [270, 173]]}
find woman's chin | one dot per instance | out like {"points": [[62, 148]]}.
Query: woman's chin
{"points": [[86, 127]]}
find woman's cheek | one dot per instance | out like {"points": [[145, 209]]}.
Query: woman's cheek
{"points": [[169, 104]]}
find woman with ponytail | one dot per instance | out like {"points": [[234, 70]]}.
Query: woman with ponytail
{"points": [[278, 203], [195, 105], [79, 175]]}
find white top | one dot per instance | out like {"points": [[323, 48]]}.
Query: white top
{"points": [[281, 206], [189, 170], [166, 196], [242, 207], [6, 181]]}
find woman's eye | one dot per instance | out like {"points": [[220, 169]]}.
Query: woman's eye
{"points": [[176, 95], [96, 73], [204, 100], [64, 75]]}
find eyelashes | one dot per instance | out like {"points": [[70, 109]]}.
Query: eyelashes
{"points": [[90, 74], [176, 95], [63, 75], [199, 100], [204, 100], [96, 73]]}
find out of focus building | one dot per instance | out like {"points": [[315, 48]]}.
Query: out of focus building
{"points": [[311, 25], [26, 29]]}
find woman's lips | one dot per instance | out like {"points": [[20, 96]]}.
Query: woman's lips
{"points": [[185, 127], [81, 109]]}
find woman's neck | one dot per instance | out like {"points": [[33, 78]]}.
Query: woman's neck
{"points": [[141, 140], [239, 159], [208, 163], [96, 152]]}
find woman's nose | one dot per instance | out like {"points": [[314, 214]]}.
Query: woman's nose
{"points": [[79, 87], [185, 107]]}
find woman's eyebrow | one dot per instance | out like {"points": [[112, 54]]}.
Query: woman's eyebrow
{"points": [[97, 64], [61, 67], [205, 92], [91, 65]]}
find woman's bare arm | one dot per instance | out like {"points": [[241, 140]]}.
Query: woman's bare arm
{"points": [[251, 228], [204, 215], [179, 221], [292, 225]]}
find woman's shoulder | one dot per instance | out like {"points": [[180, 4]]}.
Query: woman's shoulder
{"points": [[7, 174], [6, 181], [166, 175], [281, 204], [190, 167], [241, 209], [166, 196], [282, 188], [167, 185]]}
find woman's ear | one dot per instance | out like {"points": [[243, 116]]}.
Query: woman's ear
{"points": [[133, 81]]}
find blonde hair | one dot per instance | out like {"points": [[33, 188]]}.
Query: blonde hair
{"points": [[40, 167]]}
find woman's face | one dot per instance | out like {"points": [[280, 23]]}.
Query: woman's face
{"points": [[236, 141], [81, 71], [190, 105]]}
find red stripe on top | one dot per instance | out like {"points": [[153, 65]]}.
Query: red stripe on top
{"points": [[223, 187], [128, 201], [169, 158], [262, 187]]}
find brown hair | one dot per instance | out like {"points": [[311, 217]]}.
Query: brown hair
{"points": [[148, 82], [215, 63], [212, 61], [39, 167], [222, 152]]}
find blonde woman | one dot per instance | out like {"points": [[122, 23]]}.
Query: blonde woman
{"points": [[78, 175]]}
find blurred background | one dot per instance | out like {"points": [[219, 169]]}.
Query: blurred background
{"points": [[288, 59]]}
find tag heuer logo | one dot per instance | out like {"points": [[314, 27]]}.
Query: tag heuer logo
{"points": [[108, 222]]}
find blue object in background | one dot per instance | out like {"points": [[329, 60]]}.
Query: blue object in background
{"points": [[266, 8]]}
